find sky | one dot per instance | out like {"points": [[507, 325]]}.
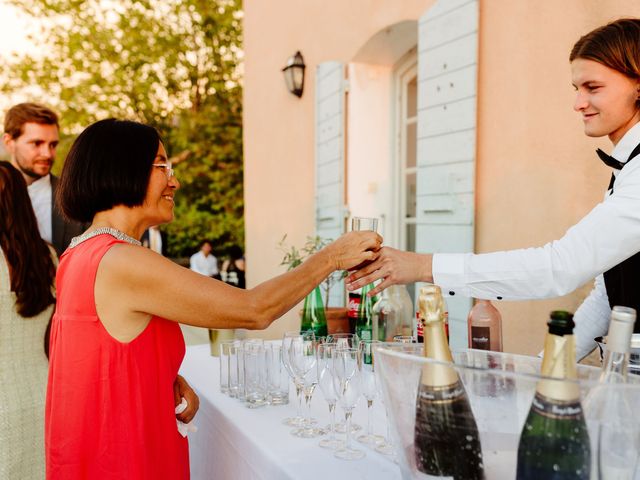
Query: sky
{"points": [[12, 29]]}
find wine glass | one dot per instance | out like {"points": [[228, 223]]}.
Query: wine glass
{"points": [[345, 366], [287, 339], [344, 340], [303, 359], [325, 381], [385, 446], [368, 386]]}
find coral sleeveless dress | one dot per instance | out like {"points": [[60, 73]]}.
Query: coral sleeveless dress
{"points": [[110, 410]]}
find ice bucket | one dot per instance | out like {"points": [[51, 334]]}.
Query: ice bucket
{"points": [[500, 388]]}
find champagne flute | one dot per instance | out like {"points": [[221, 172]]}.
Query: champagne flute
{"points": [[344, 340], [385, 446], [303, 358], [325, 381], [287, 339], [368, 387], [346, 381]]}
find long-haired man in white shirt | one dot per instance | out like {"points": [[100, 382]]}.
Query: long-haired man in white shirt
{"points": [[605, 244]]}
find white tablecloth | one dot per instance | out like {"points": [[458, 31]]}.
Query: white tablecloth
{"points": [[237, 443]]}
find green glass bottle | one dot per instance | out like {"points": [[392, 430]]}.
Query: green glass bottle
{"points": [[313, 315], [364, 314], [446, 438], [554, 443]]}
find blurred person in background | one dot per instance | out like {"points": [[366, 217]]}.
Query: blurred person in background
{"points": [[31, 136], [27, 274], [116, 343], [204, 262], [155, 239], [232, 271]]}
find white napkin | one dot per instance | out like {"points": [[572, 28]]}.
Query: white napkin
{"points": [[184, 428]]}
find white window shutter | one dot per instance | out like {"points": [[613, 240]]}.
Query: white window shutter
{"points": [[447, 100], [329, 158]]}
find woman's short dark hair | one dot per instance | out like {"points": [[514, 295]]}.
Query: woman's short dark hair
{"points": [[109, 164]]}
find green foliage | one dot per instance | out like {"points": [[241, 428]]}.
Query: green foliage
{"points": [[173, 64], [294, 257]]}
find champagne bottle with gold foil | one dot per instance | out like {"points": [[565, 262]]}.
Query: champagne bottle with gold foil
{"points": [[554, 443], [446, 438]]}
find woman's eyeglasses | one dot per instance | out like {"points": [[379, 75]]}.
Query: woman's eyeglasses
{"points": [[169, 172]]}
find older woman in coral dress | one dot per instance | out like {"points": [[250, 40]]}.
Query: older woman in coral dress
{"points": [[116, 345]]}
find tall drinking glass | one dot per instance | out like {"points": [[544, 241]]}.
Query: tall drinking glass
{"points": [[287, 339], [346, 382], [368, 387], [325, 381], [277, 376], [224, 365], [364, 223], [303, 358]]}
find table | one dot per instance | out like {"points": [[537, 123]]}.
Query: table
{"points": [[235, 442]]}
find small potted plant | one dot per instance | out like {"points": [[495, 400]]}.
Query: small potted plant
{"points": [[337, 319]]}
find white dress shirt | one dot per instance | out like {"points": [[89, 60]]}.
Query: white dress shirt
{"points": [[41, 200], [606, 236], [205, 265]]}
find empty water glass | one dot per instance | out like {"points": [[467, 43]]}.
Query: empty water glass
{"points": [[224, 365], [277, 376], [255, 383], [364, 223], [236, 371]]}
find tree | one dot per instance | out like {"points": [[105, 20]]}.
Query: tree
{"points": [[174, 64]]}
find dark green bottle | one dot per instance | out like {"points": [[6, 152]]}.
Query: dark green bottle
{"points": [[313, 316], [446, 438], [554, 444], [364, 314]]}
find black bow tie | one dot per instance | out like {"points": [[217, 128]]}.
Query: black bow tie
{"points": [[609, 160]]}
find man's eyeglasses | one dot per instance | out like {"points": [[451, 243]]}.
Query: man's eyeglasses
{"points": [[169, 172]]}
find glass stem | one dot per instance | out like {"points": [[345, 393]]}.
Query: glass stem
{"points": [[307, 401], [332, 414], [347, 416], [299, 395], [388, 431], [369, 427]]}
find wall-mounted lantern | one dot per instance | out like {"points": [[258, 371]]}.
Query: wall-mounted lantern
{"points": [[294, 74]]}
